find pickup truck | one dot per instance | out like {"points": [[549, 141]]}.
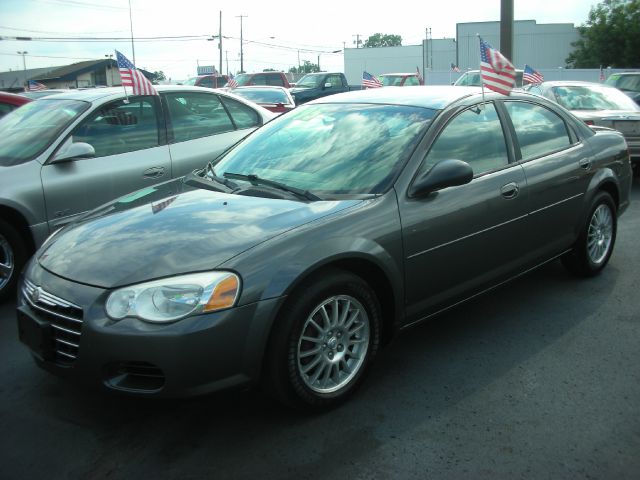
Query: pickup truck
{"points": [[316, 85]]}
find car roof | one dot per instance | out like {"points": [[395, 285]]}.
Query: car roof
{"points": [[573, 83], [253, 87], [433, 96], [95, 94]]}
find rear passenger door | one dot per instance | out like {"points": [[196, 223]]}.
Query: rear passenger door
{"points": [[130, 154], [202, 125]]}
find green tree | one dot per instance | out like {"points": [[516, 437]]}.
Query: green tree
{"points": [[610, 37], [383, 40], [306, 67], [157, 76]]}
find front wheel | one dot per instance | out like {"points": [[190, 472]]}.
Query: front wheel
{"points": [[324, 341], [594, 246]]}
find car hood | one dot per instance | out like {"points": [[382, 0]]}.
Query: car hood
{"points": [[169, 230]]}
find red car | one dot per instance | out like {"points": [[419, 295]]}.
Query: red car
{"points": [[11, 101], [275, 99]]}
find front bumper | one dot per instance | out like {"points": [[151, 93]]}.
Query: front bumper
{"points": [[189, 357]]}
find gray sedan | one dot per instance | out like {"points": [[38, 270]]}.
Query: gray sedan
{"points": [[600, 105], [66, 154], [291, 259]]}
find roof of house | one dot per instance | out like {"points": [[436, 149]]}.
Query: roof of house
{"points": [[69, 72], [15, 79]]}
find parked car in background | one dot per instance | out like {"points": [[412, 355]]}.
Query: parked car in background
{"points": [[64, 155], [628, 82], [35, 94], [472, 78], [292, 258], [597, 104], [277, 79], [11, 101], [274, 99], [210, 81], [317, 85], [400, 79]]}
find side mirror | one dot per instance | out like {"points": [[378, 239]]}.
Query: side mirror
{"points": [[327, 85], [447, 173], [74, 151]]}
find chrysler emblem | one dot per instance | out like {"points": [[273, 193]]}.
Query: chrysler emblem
{"points": [[35, 295]]}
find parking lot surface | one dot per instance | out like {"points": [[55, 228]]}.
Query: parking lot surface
{"points": [[539, 379]]}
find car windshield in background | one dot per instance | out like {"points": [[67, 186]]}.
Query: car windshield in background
{"points": [[27, 131], [262, 95], [331, 149], [190, 81], [309, 81], [593, 98], [628, 83], [392, 80], [242, 79]]}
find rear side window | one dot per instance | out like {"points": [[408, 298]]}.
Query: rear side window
{"points": [[195, 115], [275, 80], [474, 136], [259, 79], [539, 130], [120, 127], [243, 115]]}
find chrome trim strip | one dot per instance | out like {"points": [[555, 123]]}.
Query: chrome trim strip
{"points": [[557, 203], [465, 237], [68, 355], [66, 343], [483, 291], [55, 314], [58, 327]]}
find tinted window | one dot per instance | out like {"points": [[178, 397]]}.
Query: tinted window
{"points": [[474, 136], [196, 115], [243, 115], [275, 80], [335, 81], [411, 81], [259, 79], [120, 127], [539, 131]]}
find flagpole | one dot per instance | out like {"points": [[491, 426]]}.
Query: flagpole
{"points": [[126, 97], [480, 66]]}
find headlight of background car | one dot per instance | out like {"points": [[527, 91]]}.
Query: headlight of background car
{"points": [[173, 298]]}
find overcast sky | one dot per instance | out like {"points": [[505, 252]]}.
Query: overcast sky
{"points": [[295, 29]]}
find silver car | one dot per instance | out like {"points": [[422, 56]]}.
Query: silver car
{"points": [[64, 155]]}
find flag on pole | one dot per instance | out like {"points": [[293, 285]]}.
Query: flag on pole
{"points": [[34, 86], [369, 81], [420, 79], [601, 74], [231, 83], [531, 75], [497, 73], [132, 77], [454, 68]]}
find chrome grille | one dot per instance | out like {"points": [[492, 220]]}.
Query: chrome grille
{"points": [[65, 318]]}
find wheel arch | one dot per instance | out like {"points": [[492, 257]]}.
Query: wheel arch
{"points": [[19, 222]]}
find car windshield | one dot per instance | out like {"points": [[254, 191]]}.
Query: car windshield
{"points": [[331, 149], [593, 97], [263, 95], [469, 79], [190, 81], [309, 81], [41, 93], [392, 80], [629, 83], [243, 79], [27, 131]]}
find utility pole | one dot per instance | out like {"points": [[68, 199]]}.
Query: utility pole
{"points": [[506, 29], [133, 49], [220, 42], [357, 41], [241, 51], [24, 67]]}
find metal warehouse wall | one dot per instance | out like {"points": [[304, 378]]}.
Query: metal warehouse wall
{"points": [[538, 45], [377, 61]]}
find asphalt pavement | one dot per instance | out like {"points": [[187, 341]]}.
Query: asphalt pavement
{"points": [[539, 379]]}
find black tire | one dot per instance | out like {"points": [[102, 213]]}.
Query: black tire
{"points": [[13, 255], [594, 246], [339, 348]]}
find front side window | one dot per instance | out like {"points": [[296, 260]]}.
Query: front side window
{"points": [[331, 149], [195, 115], [474, 136], [539, 130], [335, 81], [30, 129], [243, 115], [120, 127]]}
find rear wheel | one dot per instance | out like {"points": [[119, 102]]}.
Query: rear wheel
{"points": [[13, 255], [594, 246], [325, 339]]}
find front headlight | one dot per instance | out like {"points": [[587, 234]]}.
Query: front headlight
{"points": [[173, 298]]}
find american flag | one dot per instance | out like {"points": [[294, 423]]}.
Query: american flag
{"points": [[496, 71], [131, 77], [530, 75], [454, 68], [369, 81], [420, 79], [231, 83], [33, 86], [601, 74]]}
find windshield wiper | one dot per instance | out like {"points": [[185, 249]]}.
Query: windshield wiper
{"points": [[256, 180], [227, 183]]}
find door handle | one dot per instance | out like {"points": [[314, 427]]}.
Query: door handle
{"points": [[510, 190], [585, 163], [153, 172]]}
